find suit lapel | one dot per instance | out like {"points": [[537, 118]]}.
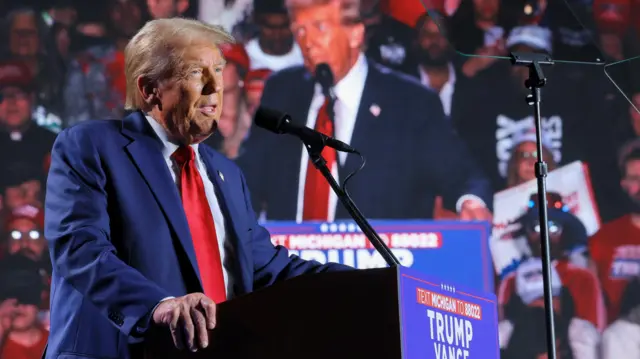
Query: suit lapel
{"points": [[146, 153], [304, 93], [232, 215], [365, 121]]}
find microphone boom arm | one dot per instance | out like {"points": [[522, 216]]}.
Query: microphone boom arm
{"points": [[314, 148]]}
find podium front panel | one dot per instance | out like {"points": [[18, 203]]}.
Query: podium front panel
{"points": [[440, 320]]}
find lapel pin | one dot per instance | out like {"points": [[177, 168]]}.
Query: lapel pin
{"points": [[221, 176], [375, 110]]}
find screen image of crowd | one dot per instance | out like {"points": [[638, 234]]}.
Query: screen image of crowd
{"points": [[445, 137]]}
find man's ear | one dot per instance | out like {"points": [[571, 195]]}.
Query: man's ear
{"points": [[147, 90]]}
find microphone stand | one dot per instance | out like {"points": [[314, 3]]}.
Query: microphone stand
{"points": [[535, 82], [314, 147]]}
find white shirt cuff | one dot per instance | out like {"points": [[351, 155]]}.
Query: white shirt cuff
{"points": [[466, 197], [134, 340]]}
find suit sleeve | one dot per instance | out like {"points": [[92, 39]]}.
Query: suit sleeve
{"points": [[273, 263], [78, 232], [448, 161]]}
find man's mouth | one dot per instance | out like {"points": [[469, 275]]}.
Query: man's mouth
{"points": [[208, 109]]}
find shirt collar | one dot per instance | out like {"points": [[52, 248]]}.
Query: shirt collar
{"points": [[168, 147], [349, 90], [424, 77]]}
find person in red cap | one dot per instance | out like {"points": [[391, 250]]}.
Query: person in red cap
{"points": [[233, 106], [23, 230], [27, 298], [20, 136], [234, 72], [253, 87], [24, 238], [163, 9], [613, 19]]}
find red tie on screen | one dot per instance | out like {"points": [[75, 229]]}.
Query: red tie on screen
{"points": [[201, 225], [316, 187]]}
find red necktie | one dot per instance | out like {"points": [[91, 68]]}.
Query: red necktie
{"points": [[316, 187], [201, 225]]}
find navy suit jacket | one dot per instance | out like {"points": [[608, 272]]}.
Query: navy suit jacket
{"points": [[119, 239], [412, 151]]}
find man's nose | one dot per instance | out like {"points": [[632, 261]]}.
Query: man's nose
{"points": [[212, 86], [306, 38]]}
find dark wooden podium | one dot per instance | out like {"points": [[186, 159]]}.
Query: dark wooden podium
{"points": [[336, 315]]}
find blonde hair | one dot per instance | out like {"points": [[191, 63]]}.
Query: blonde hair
{"points": [[350, 9], [155, 52]]}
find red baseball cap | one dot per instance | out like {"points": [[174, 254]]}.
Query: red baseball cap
{"points": [[259, 75], [28, 212], [612, 16], [15, 74], [235, 53]]}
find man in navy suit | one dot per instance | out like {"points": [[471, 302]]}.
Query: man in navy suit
{"points": [[412, 152], [141, 219]]}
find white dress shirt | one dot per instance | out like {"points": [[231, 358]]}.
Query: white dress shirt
{"points": [[348, 93], [210, 191], [446, 92]]}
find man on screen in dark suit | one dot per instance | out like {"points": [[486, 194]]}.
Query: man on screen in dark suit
{"points": [[146, 226], [412, 151]]}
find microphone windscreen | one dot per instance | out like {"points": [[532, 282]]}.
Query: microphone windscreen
{"points": [[324, 76], [270, 119]]}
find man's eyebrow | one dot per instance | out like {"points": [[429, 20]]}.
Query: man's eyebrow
{"points": [[222, 63]]}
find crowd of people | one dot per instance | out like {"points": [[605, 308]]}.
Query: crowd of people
{"points": [[442, 132]]}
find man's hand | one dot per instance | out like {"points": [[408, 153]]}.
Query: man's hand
{"points": [[189, 318], [475, 211], [7, 313]]}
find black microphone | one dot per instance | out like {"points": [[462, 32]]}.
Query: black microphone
{"points": [[324, 76], [280, 122]]}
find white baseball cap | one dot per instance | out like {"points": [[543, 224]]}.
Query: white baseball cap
{"points": [[537, 37]]}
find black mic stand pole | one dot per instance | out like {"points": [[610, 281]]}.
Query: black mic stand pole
{"points": [[314, 147], [535, 82]]}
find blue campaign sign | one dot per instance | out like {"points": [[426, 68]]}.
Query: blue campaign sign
{"points": [[456, 252], [441, 320]]}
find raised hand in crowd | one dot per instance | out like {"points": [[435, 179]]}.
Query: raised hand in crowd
{"points": [[487, 57], [475, 211]]}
